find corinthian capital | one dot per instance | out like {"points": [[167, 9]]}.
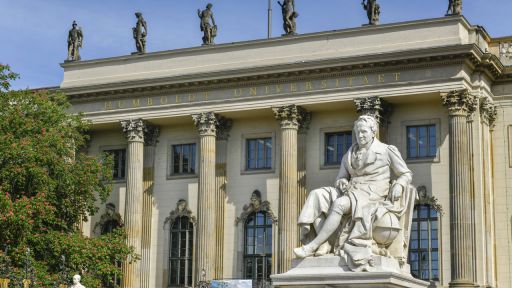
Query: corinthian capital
{"points": [[488, 111], [206, 123], [373, 106], [292, 116], [134, 129], [460, 102]]}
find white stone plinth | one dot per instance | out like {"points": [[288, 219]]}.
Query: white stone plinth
{"points": [[332, 271]]}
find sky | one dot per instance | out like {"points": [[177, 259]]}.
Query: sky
{"points": [[34, 32]]}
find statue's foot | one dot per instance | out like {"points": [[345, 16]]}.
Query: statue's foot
{"points": [[303, 251], [324, 249]]}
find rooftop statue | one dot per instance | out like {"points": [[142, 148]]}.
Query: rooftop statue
{"points": [[372, 10], [363, 214], [209, 29], [140, 31], [76, 282], [75, 41], [289, 15], [454, 7]]}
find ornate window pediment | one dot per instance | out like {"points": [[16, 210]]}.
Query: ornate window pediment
{"points": [[181, 210], [256, 205]]}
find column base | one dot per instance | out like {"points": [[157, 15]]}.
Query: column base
{"points": [[463, 284]]}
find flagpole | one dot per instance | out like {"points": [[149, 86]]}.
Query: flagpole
{"points": [[269, 18]]}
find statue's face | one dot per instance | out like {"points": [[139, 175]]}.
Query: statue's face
{"points": [[255, 201], [182, 206], [76, 279], [364, 134]]}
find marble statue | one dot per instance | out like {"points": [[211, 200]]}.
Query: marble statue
{"points": [[140, 31], [75, 41], [209, 29], [454, 7], [372, 10], [361, 216], [76, 282], [289, 15]]}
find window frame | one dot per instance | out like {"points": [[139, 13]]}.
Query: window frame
{"points": [[170, 159], [322, 141], [262, 256], [405, 137], [105, 149], [190, 234], [244, 153]]}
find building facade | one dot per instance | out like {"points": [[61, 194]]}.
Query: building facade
{"points": [[216, 147]]}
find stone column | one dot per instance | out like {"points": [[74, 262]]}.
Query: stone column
{"points": [[460, 105], [206, 241], [134, 130], [301, 159], [224, 125], [378, 108], [151, 134], [288, 237]]}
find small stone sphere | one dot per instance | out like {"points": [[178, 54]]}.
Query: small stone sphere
{"points": [[385, 229]]}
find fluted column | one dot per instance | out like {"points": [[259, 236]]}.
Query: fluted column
{"points": [[134, 130], [151, 134], [206, 241], [301, 159], [379, 109], [460, 105], [288, 238]]}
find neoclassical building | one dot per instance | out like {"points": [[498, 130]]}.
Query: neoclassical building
{"points": [[216, 147]]}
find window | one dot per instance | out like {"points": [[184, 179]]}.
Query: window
{"points": [[336, 145], [119, 158], [259, 153], [184, 159], [258, 246], [421, 141], [180, 252], [423, 246]]}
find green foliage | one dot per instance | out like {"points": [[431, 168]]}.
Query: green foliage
{"points": [[48, 186]]}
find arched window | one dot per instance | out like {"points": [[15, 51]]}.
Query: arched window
{"points": [[424, 243], [180, 252], [258, 246]]}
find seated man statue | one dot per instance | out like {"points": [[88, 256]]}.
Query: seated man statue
{"points": [[345, 218]]}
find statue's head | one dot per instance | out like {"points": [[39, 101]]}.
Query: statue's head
{"points": [[76, 279], [209, 6], [74, 24], [365, 128], [111, 208], [256, 199], [181, 205], [138, 14]]}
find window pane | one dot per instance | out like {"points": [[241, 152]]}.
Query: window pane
{"points": [[268, 153], [422, 141], [411, 142], [181, 240], [432, 142]]}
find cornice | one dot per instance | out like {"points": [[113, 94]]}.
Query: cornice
{"points": [[275, 74]]}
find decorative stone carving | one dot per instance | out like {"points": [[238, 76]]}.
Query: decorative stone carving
{"points": [[291, 116], [75, 41], [454, 7], [256, 205], [459, 102], [206, 123], [181, 210], [375, 227], [304, 124], [151, 134], [374, 106], [372, 11], [109, 221], [223, 127], [289, 15], [209, 29], [424, 199], [488, 111], [134, 129], [76, 282], [506, 50], [140, 31]]}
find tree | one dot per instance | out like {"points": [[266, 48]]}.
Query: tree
{"points": [[48, 185]]}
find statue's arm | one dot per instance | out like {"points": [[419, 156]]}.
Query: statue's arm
{"points": [[213, 20], [199, 13], [397, 163], [282, 5], [343, 172]]}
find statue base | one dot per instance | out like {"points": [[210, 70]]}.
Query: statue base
{"points": [[333, 271]]}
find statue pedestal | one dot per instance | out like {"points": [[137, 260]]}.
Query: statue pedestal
{"points": [[333, 271]]}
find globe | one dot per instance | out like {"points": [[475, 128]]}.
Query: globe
{"points": [[386, 229]]}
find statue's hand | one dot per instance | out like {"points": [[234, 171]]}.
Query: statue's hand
{"points": [[395, 192], [341, 184]]}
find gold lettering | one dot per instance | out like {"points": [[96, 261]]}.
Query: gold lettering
{"points": [[279, 88], [120, 104], [205, 96], [108, 105], [338, 83], [150, 101], [309, 86], [191, 97], [293, 87], [163, 100], [365, 80], [323, 84], [350, 80], [237, 92], [136, 103], [380, 78], [267, 90], [397, 76], [178, 99], [253, 91]]}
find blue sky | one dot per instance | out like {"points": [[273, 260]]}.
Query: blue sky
{"points": [[34, 32]]}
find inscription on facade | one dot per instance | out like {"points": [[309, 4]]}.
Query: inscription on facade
{"points": [[256, 91]]}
